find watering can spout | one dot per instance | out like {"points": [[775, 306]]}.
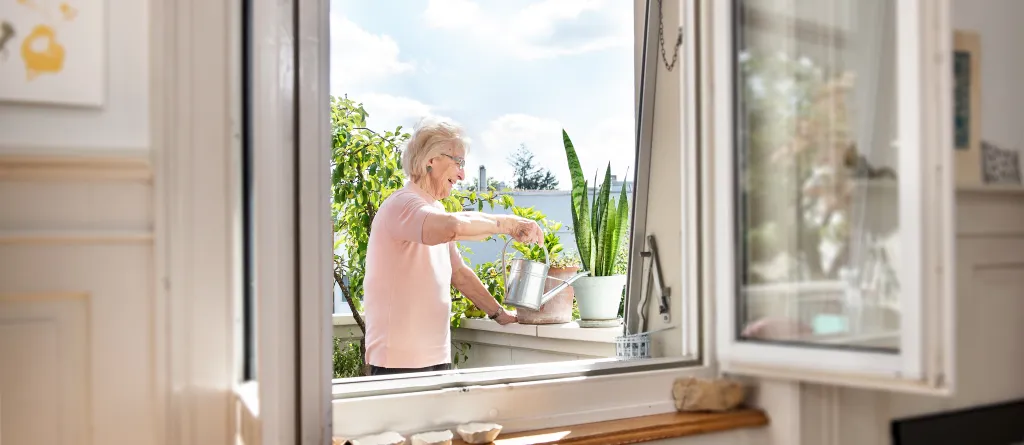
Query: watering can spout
{"points": [[564, 283]]}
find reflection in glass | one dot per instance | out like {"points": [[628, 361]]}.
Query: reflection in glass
{"points": [[817, 201]]}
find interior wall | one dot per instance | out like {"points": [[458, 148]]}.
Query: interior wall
{"points": [[77, 285], [990, 292], [122, 124], [1002, 65]]}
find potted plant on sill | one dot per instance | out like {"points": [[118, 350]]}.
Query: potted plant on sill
{"points": [[599, 225], [559, 309]]}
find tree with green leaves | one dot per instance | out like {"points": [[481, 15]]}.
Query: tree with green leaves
{"points": [[529, 176]]}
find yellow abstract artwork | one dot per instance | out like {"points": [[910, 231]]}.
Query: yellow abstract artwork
{"points": [[52, 52]]}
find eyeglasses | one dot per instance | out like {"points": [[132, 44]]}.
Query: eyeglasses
{"points": [[460, 161]]}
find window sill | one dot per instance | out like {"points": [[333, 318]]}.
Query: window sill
{"points": [[565, 331], [638, 429], [516, 344]]}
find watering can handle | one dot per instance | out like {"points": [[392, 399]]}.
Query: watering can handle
{"points": [[504, 268]]}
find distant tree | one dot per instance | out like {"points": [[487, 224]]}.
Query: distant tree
{"points": [[528, 176]]}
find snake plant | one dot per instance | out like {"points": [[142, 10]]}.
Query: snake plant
{"points": [[599, 223]]}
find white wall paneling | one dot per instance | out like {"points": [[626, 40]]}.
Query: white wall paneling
{"points": [[990, 312], [76, 301], [45, 376]]}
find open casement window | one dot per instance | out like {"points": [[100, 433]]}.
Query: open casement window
{"points": [[832, 192], [291, 261]]}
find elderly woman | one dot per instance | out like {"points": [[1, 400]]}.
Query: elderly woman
{"points": [[412, 261]]}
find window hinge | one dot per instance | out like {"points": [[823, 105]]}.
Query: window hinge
{"points": [[654, 273]]}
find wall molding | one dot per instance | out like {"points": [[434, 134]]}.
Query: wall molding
{"points": [[102, 166], [71, 237], [44, 296]]}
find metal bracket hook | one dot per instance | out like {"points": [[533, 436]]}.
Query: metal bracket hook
{"points": [[654, 273]]}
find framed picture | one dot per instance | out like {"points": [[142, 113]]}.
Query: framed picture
{"points": [[967, 107], [53, 52]]}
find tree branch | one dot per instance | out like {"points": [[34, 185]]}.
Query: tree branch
{"points": [[347, 293]]}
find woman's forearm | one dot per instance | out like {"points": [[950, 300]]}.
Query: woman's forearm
{"points": [[469, 284], [476, 226], [441, 228]]}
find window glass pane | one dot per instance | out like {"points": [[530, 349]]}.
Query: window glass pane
{"points": [[512, 75], [818, 222]]}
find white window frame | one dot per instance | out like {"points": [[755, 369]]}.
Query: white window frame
{"points": [[925, 361]]}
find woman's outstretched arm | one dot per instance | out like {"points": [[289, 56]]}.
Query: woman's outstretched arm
{"points": [[474, 226]]}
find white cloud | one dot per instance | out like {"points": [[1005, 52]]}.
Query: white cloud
{"points": [[609, 140], [452, 14], [387, 111], [359, 58], [532, 32]]}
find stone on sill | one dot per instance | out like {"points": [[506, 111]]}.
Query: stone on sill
{"points": [[433, 438], [476, 433], [388, 438], [693, 394]]}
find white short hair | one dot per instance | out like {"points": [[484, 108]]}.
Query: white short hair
{"points": [[431, 137]]}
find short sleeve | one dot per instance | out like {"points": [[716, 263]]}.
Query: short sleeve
{"points": [[405, 214]]}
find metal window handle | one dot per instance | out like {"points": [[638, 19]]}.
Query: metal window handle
{"points": [[666, 292]]}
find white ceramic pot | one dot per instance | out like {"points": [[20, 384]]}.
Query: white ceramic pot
{"points": [[598, 297]]}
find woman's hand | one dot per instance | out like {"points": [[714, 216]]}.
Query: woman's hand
{"points": [[505, 317], [524, 230]]}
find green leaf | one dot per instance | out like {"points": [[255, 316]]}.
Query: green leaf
{"points": [[609, 248], [601, 229], [578, 203], [623, 222]]}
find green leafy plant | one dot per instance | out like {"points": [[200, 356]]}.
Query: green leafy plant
{"points": [[348, 360], [365, 169], [552, 241], [599, 223], [566, 260]]}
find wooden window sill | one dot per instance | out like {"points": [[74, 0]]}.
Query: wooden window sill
{"points": [[637, 429]]}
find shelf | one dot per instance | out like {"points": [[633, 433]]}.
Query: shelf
{"points": [[637, 429]]}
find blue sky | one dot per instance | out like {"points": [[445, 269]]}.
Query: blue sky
{"points": [[510, 71]]}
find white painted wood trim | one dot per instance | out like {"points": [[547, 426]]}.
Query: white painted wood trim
{"points": [[275, 241], [192, 142], [76, 167], [67, 237], [44, 296], [316, 229]]}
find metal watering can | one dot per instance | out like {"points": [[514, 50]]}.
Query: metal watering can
{"points": [[524, 283]]}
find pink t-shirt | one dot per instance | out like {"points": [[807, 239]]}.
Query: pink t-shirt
{"points": [[407, 285]]}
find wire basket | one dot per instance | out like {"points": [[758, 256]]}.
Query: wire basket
{"points": [[633, 346]]}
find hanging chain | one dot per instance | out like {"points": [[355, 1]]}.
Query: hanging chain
{"points": [[661, 40]]}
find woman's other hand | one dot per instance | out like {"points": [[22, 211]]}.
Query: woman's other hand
{"points": [[524, 230], [506, 317]]}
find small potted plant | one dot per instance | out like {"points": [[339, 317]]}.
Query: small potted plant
{"points": [[559, 308], [600, 224]]}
